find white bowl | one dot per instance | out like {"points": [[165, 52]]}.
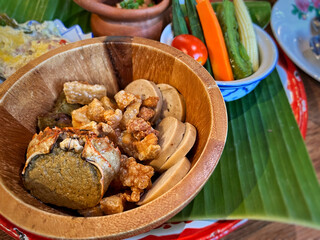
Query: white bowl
{"points": [[233, 90]]}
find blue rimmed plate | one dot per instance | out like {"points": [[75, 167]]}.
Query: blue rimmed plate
{"points": [[233, 90]]}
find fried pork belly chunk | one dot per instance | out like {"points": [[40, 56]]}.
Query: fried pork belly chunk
{"points": [[130, 112], [113, 204], [124, 99], [96, 111], [147, 148], [113, 117], [146, 113], [79, 117], [70, 167], [83, 93], [108, 103], [140, 128], [136, 176], [150, 102]]}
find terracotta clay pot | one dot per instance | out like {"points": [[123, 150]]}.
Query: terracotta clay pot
{"points": [[107, 20]]}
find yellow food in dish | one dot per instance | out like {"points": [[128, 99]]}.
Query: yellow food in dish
{"points": [[20, 45]]}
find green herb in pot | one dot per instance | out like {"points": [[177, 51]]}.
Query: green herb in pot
{"points": [[135, 4]]}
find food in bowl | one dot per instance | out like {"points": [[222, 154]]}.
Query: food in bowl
{"points": [[20, 43], [102, 161]]}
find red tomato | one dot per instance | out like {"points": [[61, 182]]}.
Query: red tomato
{"points": [[192, 46]]}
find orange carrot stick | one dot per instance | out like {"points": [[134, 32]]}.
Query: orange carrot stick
{"points": [[215, 42]]}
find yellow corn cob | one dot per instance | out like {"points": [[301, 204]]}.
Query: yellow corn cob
{"points": [[246, 32]]}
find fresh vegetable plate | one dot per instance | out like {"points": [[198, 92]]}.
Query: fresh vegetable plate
{"points": [[233, 90], [290, 79], [291, 23]]}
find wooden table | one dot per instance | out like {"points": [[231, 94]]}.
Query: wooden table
{"points": [[262, 230]]}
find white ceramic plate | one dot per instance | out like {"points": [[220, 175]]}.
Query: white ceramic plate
{"points": [[293, 34]]}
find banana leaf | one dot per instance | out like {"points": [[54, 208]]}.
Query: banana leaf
{"points": [[265, 171]]}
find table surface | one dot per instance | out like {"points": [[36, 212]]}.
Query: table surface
{"points": [[270, 230]]}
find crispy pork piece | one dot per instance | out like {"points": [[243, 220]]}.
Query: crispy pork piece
{"points": [[95, 111], [124, 99], [140, 128], [147, 148], [136, 176], [113, 204], [113, 117], [131, 112], [148, 91], [83, 93], [108, 103], [146, 113], [150, 102], [79, 117]]}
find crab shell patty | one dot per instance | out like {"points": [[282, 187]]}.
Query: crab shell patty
{"points": [[69, 167]]}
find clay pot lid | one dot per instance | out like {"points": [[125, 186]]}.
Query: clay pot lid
{"points": [[100, 7]]}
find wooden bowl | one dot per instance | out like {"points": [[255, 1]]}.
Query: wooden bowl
{"points": [[114, 62], [107, 20]]}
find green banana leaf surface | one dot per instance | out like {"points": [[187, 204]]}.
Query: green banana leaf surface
{"points": [[265, 171]]}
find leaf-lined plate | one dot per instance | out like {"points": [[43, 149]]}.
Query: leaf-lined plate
{"points": [[265, 171]]}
